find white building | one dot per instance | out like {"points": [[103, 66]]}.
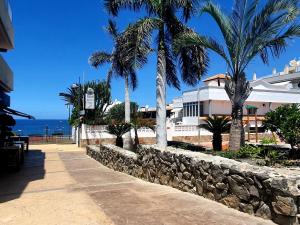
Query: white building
{"points": [[211, 99]]}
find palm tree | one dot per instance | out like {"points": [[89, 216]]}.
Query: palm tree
{"points": [[217, 125], [119, 68], [162, 18], [118, 130], [70, 96], [252, 29]]}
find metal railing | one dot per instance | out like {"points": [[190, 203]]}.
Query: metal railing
{"points": [[186, 128], [60, 139]]}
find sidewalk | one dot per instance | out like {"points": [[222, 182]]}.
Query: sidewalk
{"points": [[41, 193], [75, 189]]}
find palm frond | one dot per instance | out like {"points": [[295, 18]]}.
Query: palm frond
{"points": [[113, 6], [135, 42], [99, 58], [112, 29], [223, 22], [190, 39], [171, 75]]}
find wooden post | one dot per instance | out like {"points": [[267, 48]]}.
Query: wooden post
{"points": [[256, 129], [249, 126]]}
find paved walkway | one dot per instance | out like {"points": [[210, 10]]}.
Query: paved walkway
{"points": [[61, 186]]}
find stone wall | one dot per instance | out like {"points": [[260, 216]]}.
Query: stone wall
{"points": [[261, 191]]}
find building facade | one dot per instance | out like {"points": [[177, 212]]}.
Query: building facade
{"points": [[268, 93], [6, 44]]}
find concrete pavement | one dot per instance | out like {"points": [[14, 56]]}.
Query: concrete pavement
{"points": [[61, 186]]}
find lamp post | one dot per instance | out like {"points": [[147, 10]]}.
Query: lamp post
{"points": [[78, 93], [70, 130]]}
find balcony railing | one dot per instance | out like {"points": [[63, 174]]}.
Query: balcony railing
{"points": [[6, 76]]}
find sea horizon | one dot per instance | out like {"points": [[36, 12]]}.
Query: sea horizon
{"points": [[41, 127]]}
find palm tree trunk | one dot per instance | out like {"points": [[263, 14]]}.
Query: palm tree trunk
{"points": [[127, 139], [238, 90], [237, 133], [161, 117]]}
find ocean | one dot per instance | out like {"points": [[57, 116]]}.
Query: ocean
{"points": [[41, 127]]}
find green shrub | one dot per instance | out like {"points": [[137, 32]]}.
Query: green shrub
{"points": [[249, 151], [118, 130], [228, 154], [268, 140]]}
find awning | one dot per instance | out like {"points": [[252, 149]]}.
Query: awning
{"points": [[17, 113]]}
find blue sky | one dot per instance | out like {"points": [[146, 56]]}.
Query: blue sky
{"points": [[54, 38]]}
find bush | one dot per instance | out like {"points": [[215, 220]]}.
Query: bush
{"points": [[249, 151], [285, 122], [118, 130], [228, 154], [217, 125], [268, 140]]}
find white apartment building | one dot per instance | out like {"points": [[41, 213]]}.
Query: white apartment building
{"points": [[268, 93]]}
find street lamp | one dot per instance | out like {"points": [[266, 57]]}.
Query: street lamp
{"points": [[76, 87]]}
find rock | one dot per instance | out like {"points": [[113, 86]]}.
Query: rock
{"points": [[164, 179], [175, 182], [205, 165], [238, 190], [199, 187], [208, 187], [209, 179], [238, 179], [264, 211], [174, 167], [221, 186], [246, 208], [231, 201], [285, 206], [182, 167], [179, 176], [254, 191], [187, 183], [209, 195], [187, 175], [255, 203]]}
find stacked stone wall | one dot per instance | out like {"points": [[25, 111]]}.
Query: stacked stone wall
{"points": [[260, 191]]}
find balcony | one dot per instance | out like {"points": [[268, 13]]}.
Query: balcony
{"points": [[6, 76], [6, 26]]}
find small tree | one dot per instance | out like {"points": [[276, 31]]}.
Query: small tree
{"points": [[118, 130], [217, 125], [117, 112], [139, 122], [74, 96], [285, 122]]}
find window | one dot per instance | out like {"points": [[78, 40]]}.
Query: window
{"points": [[190, 109], [252, 111]]}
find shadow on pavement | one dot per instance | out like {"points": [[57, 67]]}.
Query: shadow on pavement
{"points": [[12, 184]]}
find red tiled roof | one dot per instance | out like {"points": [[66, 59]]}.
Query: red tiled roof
{"points": [[215, 77]]}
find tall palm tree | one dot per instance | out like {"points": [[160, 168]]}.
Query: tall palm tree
{"points": [[120, 67], [254, 28], [162, 18]]}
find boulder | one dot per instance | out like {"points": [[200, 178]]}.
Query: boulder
{"points": [[284, 206]]}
